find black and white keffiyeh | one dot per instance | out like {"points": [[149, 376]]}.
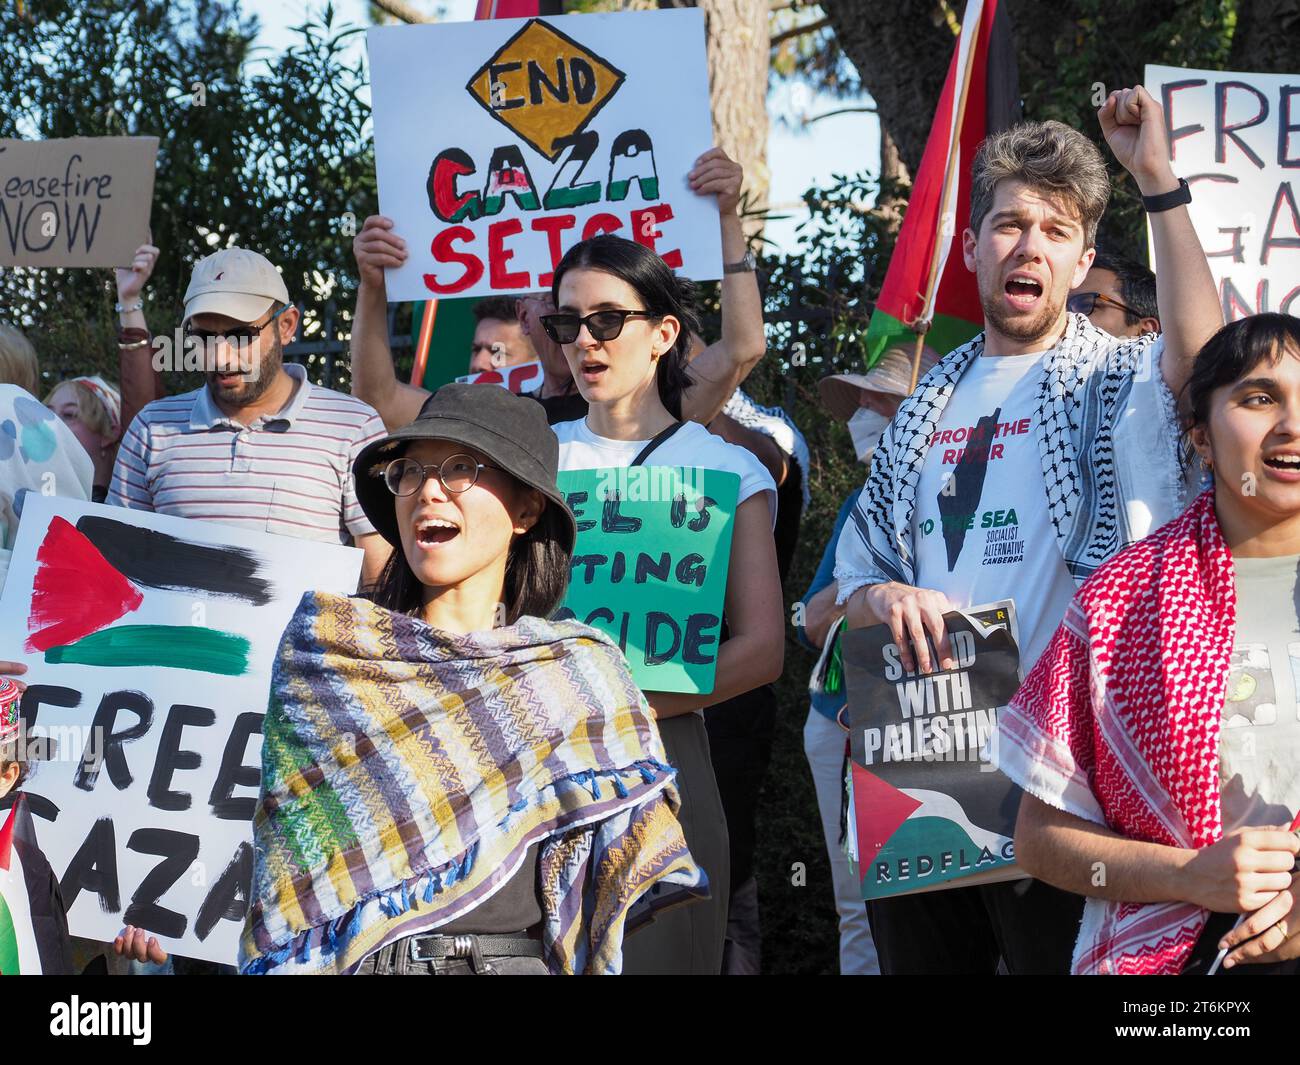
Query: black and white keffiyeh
{"points": [[1085, 385], [776, 425]]}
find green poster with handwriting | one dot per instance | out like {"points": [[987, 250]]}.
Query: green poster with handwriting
{"points": [[650, 566]]}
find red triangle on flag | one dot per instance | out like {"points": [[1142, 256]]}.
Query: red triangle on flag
{"points": [[880, 809], [7, 838], [75, 591]]}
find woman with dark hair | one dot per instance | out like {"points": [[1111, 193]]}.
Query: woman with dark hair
{"points": [[450, 782], [1157, 740], [625, 322]]}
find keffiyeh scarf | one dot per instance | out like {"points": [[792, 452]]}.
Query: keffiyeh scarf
{"points": [[777, 426], [406, 771], [1118, 723], [1087, 380]]}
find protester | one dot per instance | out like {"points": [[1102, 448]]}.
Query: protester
{"points": [[142, 382], [259, 446], [625, 323], [1157, 737], [1118, 296], [866, 402], [547, 809], [717, 371], [92, 409], [742, 729], [18, 365], [499, 339], [1028, 417], [38, 453], [48, 928]]}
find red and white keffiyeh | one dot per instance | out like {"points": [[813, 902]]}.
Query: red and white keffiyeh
{"points": [[1118, 723]]}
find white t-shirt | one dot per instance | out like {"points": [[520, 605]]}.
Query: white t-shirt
{"points": [[692, 446], [986, 535]]}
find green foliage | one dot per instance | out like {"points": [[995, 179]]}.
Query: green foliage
{"points": [[265, 152], [1096, 50]]}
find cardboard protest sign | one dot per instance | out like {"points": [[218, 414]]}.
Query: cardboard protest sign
{"points": [[500, 144], [83, 201], [930, 809], [149, 642], [650, 566], [525, 377], [1235, 137]]}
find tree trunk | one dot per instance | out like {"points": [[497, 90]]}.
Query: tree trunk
{"points": [[739, 52], [1265, 37]]}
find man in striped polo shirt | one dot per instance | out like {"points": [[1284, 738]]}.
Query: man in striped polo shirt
{"points": [[258, 446]]}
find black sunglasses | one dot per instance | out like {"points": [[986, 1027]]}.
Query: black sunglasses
{"points": [[602, 325], [1085, 302], [241, 334], [457, 473]]}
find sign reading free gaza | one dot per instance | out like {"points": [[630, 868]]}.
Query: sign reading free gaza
{"points": [[500, 144], [650, 566]]}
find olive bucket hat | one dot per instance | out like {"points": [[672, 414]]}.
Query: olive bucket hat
{"points": [[509, 430]]}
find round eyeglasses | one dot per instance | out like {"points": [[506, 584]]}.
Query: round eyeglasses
{"points": [[456, 473], [602, 325]]}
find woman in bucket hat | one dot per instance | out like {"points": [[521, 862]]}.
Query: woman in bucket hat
{"points": [[451, 783]]}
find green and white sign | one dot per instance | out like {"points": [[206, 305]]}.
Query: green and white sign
{"points": [[650, 566]]}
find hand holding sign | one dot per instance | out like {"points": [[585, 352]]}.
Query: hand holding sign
{"points": [[377, 248], [132, 279], [716, 174]]}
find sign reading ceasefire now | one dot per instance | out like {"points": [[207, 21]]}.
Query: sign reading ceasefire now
{"points": [[548, 132]]}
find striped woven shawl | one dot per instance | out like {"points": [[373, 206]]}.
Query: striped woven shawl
{"points": [[406, 771]]}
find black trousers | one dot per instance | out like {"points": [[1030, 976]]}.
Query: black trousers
{"points": [[740, 744], [1030, 925]]}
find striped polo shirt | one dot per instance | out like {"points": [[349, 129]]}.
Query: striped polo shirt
{"points": [[288, 473]]}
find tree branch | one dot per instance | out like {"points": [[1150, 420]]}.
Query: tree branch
{"points": [[840, 111], [799, 31], [399, 9]]}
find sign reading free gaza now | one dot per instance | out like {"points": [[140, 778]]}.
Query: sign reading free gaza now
{"points": [[500, 144], [650, 566]]}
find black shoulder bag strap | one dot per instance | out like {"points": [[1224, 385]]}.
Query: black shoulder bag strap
{"points": [[659, 438]]}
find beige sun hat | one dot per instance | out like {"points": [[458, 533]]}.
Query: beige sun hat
{"points": [[841, 393]]}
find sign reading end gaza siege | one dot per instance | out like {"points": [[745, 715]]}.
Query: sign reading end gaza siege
{"points": [[83, 201], [1235, 138], [149, 642], [499, 144], [650, 566]]}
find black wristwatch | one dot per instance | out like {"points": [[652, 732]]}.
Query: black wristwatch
{"points": [[747, 265], [1166, 201]]}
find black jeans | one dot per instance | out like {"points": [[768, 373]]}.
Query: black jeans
{"points": [[1030, 925]]}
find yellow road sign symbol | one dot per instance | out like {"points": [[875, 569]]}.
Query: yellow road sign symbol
{"points": [[544, 86]]}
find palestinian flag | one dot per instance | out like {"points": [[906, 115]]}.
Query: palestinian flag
{"points": [[33, 924], [983, 68], [91, 576]]}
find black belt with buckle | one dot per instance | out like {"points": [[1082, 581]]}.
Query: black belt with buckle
{"points": [[475, 948]]}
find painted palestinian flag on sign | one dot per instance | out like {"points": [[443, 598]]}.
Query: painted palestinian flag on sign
{"points": [[33, 924], [938, 208], [89, 578]]}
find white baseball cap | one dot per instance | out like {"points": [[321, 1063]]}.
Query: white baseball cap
{"points": [[235, 282]]}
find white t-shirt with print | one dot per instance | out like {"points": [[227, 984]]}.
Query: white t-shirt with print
{"points": [[981, 526], [692, 446]]}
